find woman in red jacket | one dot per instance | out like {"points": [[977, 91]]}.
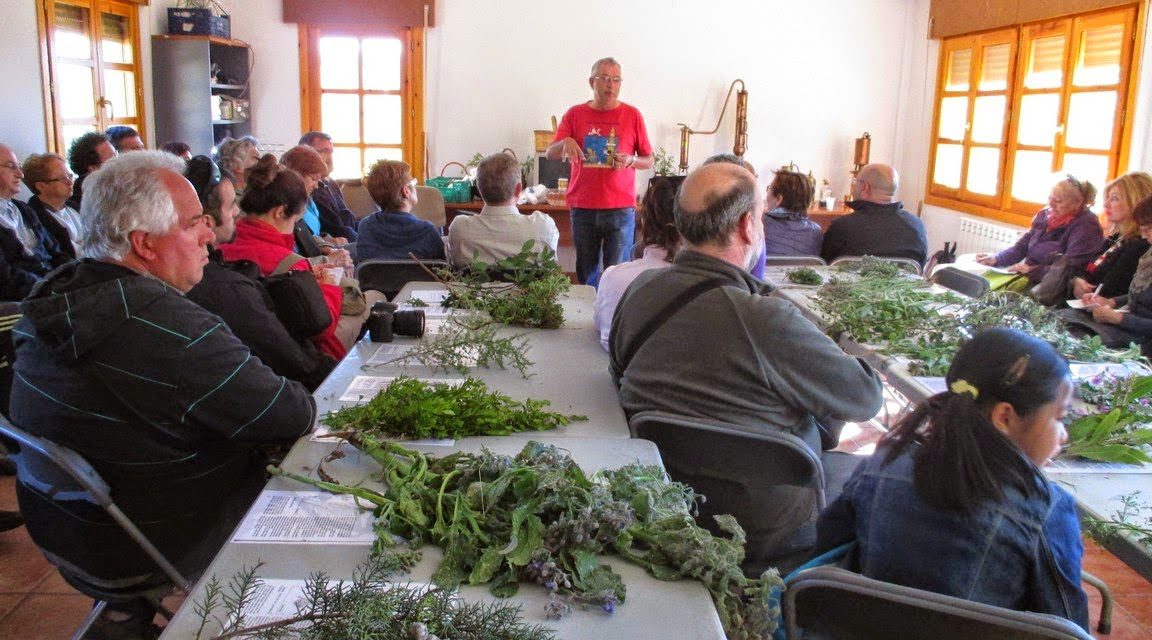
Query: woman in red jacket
{"points": [[273, 202]]}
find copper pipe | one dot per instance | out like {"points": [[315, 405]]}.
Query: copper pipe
{"points": [[741, 125]]}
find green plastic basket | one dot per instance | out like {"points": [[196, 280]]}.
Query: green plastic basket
{"points": [[453, 189]]}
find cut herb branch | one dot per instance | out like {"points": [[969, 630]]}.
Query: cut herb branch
{"points": [[533, 281], [467, 341], [1132, 519], [368, 606], [1116, 431], [539, 518], [805, 275], [411, 408]]}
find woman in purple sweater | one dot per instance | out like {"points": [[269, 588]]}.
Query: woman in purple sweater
{"points": [[1065, 227]]}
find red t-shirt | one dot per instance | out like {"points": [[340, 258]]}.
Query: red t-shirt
{"points": [[595, 183]]}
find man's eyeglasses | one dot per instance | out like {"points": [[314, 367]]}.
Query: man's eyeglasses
{"points": [[67, 178], [10, 165], [612, 79]]}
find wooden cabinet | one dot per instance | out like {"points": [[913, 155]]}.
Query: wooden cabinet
{"points": [[187, 96]]}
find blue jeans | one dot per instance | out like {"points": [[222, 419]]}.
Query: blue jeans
{"points": [[602, 238]]}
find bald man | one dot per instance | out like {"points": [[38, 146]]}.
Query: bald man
{"points": [[700, 339], [879, 225]]}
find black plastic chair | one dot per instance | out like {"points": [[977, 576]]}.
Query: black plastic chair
{"points": [[969, 284], [63, 475], [771, 482], [830, 602], [389, 276]]}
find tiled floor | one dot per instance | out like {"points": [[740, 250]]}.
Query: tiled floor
{"points": [[36, 604]]}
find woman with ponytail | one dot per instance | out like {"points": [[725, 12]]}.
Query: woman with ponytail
{"points": [[954, 501]]}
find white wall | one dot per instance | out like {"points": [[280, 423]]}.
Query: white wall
{"points": [[21, 94], [815, 82]]}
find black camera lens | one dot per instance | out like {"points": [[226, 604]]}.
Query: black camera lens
{"points": [[380, 322], [409, 323]]}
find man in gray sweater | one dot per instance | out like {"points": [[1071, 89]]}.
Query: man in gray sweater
{"points": [[702, 339]]}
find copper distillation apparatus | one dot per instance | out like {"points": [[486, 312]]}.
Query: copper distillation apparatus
{"points": [[741, 141], [863, 150]]}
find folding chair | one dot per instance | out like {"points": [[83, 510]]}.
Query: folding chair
{"points": [[64, 476], [772, 482], [389, 276], [430, 206], [794, 261], [906, 264], [969, 284], [831, 602]]}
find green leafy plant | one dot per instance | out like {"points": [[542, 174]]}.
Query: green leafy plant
{"points": [[1118, 431], [538, 518], [522, 289], [805, 275], [1133, 518], [467, 341], [370, 606], [411, 408], [663, 164]]}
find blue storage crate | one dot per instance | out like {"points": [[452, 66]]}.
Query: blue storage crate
{"points": [[198, 22]]}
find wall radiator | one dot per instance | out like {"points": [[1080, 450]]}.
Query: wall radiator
{"points": [[978, 235]]}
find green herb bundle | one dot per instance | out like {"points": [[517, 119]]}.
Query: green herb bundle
{"points": [[805, 275], [1116, 431], [539, 518], [411, 408], [465, 342], [369, 607], [534, 282]]}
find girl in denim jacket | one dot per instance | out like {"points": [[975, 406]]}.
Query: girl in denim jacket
{"points": [[954, 502]]}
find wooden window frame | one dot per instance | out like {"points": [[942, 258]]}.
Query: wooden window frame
{"points": [[411, 92], [46, 25], [1004, 207]]}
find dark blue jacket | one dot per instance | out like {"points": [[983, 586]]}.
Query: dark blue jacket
{"points": [[391, 235], [876, 229], [1021, 553], [20, 269]]}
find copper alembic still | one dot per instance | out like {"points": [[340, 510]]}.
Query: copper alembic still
{"points": [[741, 139]]}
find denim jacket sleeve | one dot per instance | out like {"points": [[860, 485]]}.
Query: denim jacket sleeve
{"points": [[1055, 580]]}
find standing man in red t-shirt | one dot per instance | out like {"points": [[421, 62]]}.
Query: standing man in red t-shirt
{"points": [[606, 142]]}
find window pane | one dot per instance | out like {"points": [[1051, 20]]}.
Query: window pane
{"points": [[1090, 118], [372, 154], [75, 88], [1038, 119], [73, 131], [71, 39], [1098, 60], [1088, 167], [994, 74], [346, 163], [959, 69], [382, 122], [117, 43], [340, 116], [988, 119], [120, 89], [947, 169], [382, 64], [339, 63], [953, 118], [1032, 177], [1045, 63], [983, 170]]}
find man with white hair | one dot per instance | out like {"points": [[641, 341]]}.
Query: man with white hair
{"points": [[701, 339], [168, 406], [879, 225]]}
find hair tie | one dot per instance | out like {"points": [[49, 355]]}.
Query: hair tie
{"points": [[962, 387]]}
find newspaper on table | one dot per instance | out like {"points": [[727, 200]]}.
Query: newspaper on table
{"points": [[306, 517], [431, 297]]}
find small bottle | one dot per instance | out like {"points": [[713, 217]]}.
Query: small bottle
{"points": [[828, 200]]}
